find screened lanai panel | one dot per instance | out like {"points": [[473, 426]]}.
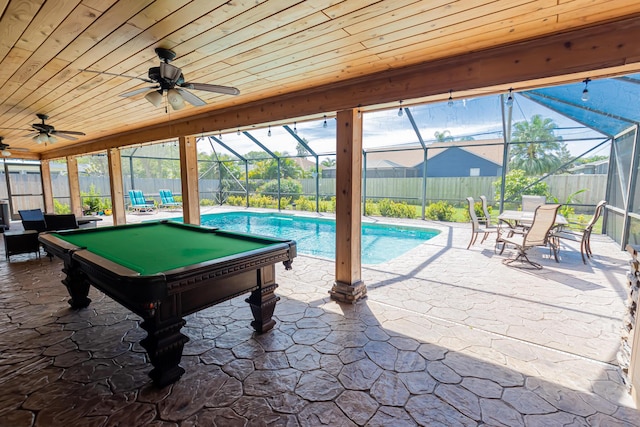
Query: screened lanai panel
{"points": [[386, 129], [621, 169], [596, 120], [463, 119], [320, 135], [611, 106]]}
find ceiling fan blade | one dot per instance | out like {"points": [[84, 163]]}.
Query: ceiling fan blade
{"points": [[118, 75], [68, 132], [170, 72], [227, 90], [31, 135], [62, 135], [191, 98], [138, 91]]}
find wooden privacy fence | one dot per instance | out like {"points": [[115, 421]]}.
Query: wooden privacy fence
{"points": [[456, 189], [451, 189]]}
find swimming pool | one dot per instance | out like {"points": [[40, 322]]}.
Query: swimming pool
{"points": [[316, 236]]}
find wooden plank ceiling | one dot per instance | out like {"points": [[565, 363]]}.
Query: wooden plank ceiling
{"points": [[266, 48]]}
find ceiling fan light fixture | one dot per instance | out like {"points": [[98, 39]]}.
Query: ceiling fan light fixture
{"points": [[52, 139], [40, 138], [154, 97], [175, 99], [6, 153]]}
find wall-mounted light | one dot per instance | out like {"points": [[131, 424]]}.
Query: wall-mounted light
{"points": [[450, 101], [269, 132], [324, 124], [510, 98], [585, 91], [295, 130], [400, 109], [238, 132]]}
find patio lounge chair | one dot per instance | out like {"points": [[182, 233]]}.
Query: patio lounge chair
{"points": [[584, 236], [538, 234], [33, 219], [476, 228], [56, 222], [486, 219], [139, 203], [167, 200], [530, 203]]}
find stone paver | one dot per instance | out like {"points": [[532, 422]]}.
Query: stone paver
{"points": [[447, 336]]}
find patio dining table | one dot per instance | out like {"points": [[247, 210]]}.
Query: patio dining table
{"points": [[515, 218]]}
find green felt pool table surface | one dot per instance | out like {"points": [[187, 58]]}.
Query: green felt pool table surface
{"points": [[151, 248]]}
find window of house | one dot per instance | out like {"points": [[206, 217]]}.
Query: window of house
{"points": [[474, 172]]}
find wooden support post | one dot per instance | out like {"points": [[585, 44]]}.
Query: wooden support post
{"points": [[348, 286], [189, 175], [74, 186], [47, 188], [117, 186]]}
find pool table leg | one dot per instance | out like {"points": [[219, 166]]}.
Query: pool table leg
{"points": [[263, 300], [77, 286], [164, 344]]}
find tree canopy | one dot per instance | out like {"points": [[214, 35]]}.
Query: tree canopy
{"points": [[540, 151]]}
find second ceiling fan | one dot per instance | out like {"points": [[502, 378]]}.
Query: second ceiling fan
{"points": [[169, 80]]}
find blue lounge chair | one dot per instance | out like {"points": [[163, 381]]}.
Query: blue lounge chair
{"points": [[139, 203], [33, 219], [167, 200]]}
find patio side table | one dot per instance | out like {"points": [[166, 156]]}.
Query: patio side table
{"points": [[21, 242]]}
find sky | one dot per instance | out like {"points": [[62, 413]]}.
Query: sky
{"points": [[479, 117]]}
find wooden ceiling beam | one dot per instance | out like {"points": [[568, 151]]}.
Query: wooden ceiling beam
{"points": [[559, 58]]}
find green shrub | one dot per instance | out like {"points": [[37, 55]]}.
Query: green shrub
{"points": [[518, 183], [288, 186], [477, 206], [257, 201], [327, 205], [91, 200], [207, 202], [396, 209], [304, 204], [440, 211], [61, 208], [236, 200]]}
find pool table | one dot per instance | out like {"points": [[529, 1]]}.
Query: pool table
{"points": [[163, 271]]}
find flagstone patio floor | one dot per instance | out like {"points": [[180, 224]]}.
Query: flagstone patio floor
{"points": [[446, 336]]}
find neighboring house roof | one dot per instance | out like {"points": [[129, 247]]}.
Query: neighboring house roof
{"points": [[304, 163], [411, 154], [592, 166]]}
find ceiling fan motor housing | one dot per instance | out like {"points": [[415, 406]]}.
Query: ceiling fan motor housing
{"points": [[154, 74]]}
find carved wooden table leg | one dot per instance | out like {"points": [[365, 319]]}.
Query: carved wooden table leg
{"points": [[164, 344], [77, 286]]}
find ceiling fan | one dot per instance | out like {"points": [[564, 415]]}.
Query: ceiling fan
{"points": [[47, 133], [4, 148], [42, 132], [170, 80]]}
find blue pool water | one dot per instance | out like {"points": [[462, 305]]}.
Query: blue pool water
{"points": [[316, 236]]}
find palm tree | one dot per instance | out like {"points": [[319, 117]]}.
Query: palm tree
{"points": [[541, 150], [443, 136]]}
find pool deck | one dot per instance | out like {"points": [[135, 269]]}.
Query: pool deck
{"points": [[446, 336]]}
